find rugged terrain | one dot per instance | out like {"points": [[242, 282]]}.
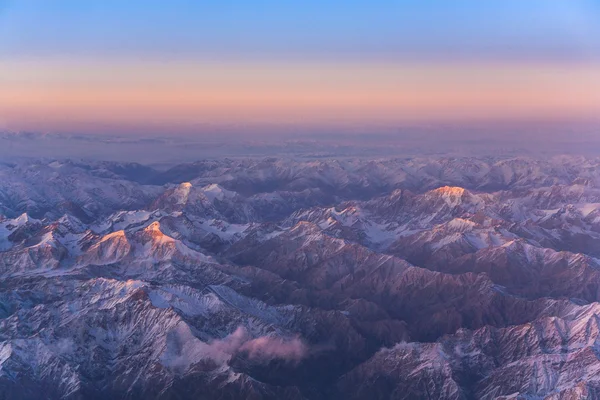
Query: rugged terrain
{"points": [[454, 278]]}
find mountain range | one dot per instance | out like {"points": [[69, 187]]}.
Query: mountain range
{"points": [[394, 278]]}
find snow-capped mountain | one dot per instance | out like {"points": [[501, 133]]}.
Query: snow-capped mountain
{"points": [[453, 278]]}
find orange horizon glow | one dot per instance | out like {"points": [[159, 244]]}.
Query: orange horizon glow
{"points": [[63, 95]]}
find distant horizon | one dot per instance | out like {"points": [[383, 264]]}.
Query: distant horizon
{"points": [[282, 130], [425, 140]]}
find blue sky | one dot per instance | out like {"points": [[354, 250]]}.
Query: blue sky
{"points": [[507, 29]]}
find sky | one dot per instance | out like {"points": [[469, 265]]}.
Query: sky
{"points": [[178, 66]]}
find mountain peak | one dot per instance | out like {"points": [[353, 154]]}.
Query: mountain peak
{"points": [[182, 192], [215, 191], [450, 191], [113, 235], [153, 227]]}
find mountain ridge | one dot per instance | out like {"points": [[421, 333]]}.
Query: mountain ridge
{"points": [[455, 278]]}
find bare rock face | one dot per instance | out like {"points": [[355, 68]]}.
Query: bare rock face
{"points": [[275, 279]]}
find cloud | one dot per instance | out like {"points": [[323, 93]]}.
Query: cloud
{"points": [[183, 349], [262, 348], [222, 350], [267, 348]]}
